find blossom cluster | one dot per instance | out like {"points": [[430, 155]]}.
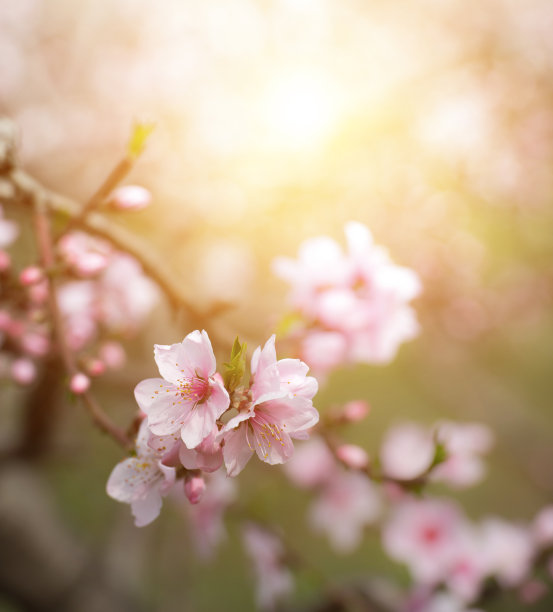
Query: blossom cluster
{"points": [[97, 309], [445, 552], [195, 421], [352, 307]]}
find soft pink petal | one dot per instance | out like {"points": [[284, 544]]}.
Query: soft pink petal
{"points": [[264, 370], [272, 446], [132, 479], [167, 411], [237, 451], [291, 414], [191, 357], [146, 510], [293, 378], [218, 399]]}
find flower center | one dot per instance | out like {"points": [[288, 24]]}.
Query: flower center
{"points": [[194, 389]]}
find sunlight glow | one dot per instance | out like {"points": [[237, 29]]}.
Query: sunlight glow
{"points": [[300, 111]]}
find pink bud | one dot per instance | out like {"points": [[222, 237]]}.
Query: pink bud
{"points": [[112, 354], [355, 411], [23, 371], [31, 276], [194, 487], [130, 197], [79, 383], [38, 294], [5, 261], [35, 344], [353, 456], [95, 367]]}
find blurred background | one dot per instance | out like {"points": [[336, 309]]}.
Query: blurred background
{"points": [[278, 120]]}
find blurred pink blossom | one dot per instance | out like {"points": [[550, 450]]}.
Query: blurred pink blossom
{"points": [[23, 371], [79, 383], [8, 230], [407, 451], [273, 579], [85, 255], [355, 304], [194, 487], [345, 506], [312, 464]]}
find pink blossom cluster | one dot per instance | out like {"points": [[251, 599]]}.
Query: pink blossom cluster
{"points": [[408, 451], [346, 501], [444, 550], [193, 424], [354, 306]]}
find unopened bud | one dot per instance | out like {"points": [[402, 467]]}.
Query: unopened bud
{"points": [[130, 197], [31, 276], [79, 383], [353, 456], [95, 367], [23, 371], [355, 411], [194, 487]]}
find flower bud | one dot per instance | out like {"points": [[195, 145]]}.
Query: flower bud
{"points": [[353, 456], [23, 371], [31, 276], [79, 383], [130, 197], [355, 411], [194, 487], [95, 367]]}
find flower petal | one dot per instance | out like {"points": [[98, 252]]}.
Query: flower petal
{"points": [[166, 409], [146, 510], [193, 356], [237, 450]]}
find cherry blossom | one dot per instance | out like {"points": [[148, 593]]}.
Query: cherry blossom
{"points": [[85, 255], [188, 399], [274, 579], [142, 480], [407, 451], [354, 304], [280, 409], [464, 443], [346, 504], [424, 534]]}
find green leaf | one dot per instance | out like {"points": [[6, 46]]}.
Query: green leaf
{"points": [[236, 368], [139, 135], [440, 454]]}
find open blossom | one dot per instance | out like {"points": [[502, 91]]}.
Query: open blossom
{"points": [[274, 579], [142, 480], [464, 444], [85, 255], [345, 506], [281, 408], [407, 451], [354, 304], [424, 534], [188, 399]]}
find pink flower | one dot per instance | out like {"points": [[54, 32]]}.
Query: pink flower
{"points": [[194, 487], [353, 456], [346, 504], [281, 408], [355, 303], [31, 276], [23, 371], [407, 451], [542, 527], [188, 399], [8, 231], [141, 481], [79, 383], [274, 579], [312, 464], [424, 534], [464, 443], [507, 549], [85, 255]]}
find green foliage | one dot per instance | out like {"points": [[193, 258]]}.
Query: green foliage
{"points": [[236, 368]]}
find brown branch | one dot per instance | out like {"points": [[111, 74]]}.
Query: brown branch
{"points": [[47, 255]]}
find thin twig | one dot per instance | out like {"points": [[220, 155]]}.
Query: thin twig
{"points": [[46, 250]]}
